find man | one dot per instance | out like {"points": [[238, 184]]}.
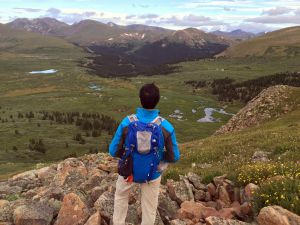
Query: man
{"points": [[149, 97]]}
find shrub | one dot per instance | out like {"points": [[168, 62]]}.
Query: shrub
{"points": [[284, 192]]}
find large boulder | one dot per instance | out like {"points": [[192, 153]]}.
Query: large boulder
{"points": [[73, 211], [276, 215], [33, 214]]}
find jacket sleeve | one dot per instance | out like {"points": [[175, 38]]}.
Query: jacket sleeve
{"points": [[172, 153], [117, 142]]}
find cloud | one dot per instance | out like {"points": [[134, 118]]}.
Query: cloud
{"points": [[53, 12], [30, 10], [250, 27], [70, 17], [281, 19], [191, 20], [140, 6], [148, 16], [277, 11]]}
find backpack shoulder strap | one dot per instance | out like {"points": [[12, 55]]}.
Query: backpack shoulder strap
{"points": [[158, 120], [132, 118]]}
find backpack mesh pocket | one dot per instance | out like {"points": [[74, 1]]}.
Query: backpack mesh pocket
{"points": [[144, 141]]}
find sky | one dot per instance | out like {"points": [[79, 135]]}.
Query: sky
{"points": [[227, 15]]}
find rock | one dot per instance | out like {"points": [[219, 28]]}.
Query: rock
{"points": [[268, 104], [236, 206], [3, 203], [28, 175], [220, 204], [219, 180], [9, 190], [110, 167], [167, 207], [97, 191], [178, 222], [236, 194], [260, 156], [178, 191], [95, 219], [34, 214], [208, 197], [211, 204], [55, 205], [246, 209], [73, 211], [226, 213], [276, 215], [224, 196], [94, 181], [71, 172], [196, 181], [211, 188], [250, 190], [6, 212], [51, 192], [200, 195], [189, 189], [190, 210], [221, 221], [46, 174], [105, 204], [158, 219]]}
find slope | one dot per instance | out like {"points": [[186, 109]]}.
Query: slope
{"points": [[279, 138], [18, 41], [284, 42]]}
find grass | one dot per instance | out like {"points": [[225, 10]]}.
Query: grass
{"points": [[67, 91], [227, 153], [282, 43]]}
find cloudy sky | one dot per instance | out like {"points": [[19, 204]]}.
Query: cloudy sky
{"points": [[250, 15]]}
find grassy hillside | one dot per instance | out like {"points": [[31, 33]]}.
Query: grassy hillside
{"points": [[69, 90], [18, 41], [230, 153], [285, 42]]}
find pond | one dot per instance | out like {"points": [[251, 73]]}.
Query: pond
{"points": [[51, 71], [208, 115], [95, 87]]}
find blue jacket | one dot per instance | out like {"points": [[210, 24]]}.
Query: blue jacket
{"points": [[168, 139]]}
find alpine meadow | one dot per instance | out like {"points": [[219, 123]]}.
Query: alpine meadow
{"points": [[229, 79]]}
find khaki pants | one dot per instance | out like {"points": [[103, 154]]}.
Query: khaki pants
{"points": [[149, 201]]}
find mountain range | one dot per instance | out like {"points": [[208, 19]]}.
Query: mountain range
{"points": [[117, 50]]}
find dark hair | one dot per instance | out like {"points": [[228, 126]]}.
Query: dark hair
{"points": [[149, 96]]}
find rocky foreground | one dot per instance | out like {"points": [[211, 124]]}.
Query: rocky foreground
{"points": [[80, 191]]}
